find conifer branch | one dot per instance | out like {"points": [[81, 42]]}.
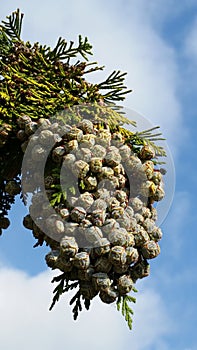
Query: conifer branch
{"points": [[86, 303], [61, 288], [13, 26], [146, 137], [78, 306], [114, 83], [127, 312]]}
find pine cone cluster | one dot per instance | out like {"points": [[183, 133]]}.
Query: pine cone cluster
{"points": [[102, 228]]}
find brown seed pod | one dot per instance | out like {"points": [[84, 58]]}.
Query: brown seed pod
{"points": [[101, 281], [86, 125], [98, 151], [85, 200], [12, 188], [153, 213], [80, 168], [140, 236], [112, 203], [103, 264], [158, 194], [105, 173], [103, 137], [78, 214], [71, 146], [149, 225], [30, 128], [93, 234], [97, 217], [43, 123], [118, 169], [125, 152], [64, 264], [74, 134], [117, 212], [58, 153], [23, 120], [117, 255], [27, 222], [150, 250], [120, 269], [112, 157], [4, 223], [68, 247], [68, 160], [87, 141], [99, 204], [139, 218], [118, 237], [86, 274], [132, 255], [81, 260], [146, 212], [108, 295], [51, 258], [84, 153], [157, 177], [125, 284], [46, 137], [64, 212], [136, 204], [139, 270], [147, 152], [87, 290], [156, 234], [117, 139], [125, 221], [90, 183], [148, 169], [121, 180], [96, 164], [109, 226], [21, 135]]}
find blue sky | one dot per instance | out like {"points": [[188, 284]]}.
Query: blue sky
{"points": [[156, 43]]}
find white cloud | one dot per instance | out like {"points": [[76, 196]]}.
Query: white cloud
{"points": [[27, 323], [151, 317]]}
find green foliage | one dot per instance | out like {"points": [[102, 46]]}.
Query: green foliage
{"points": [[64, 286], [115, 83], [138, 139], [39, 81], [12, 27], [127, 312], [62, 51]]}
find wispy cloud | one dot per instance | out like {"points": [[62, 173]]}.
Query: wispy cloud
{"points": [[24, 303]]}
